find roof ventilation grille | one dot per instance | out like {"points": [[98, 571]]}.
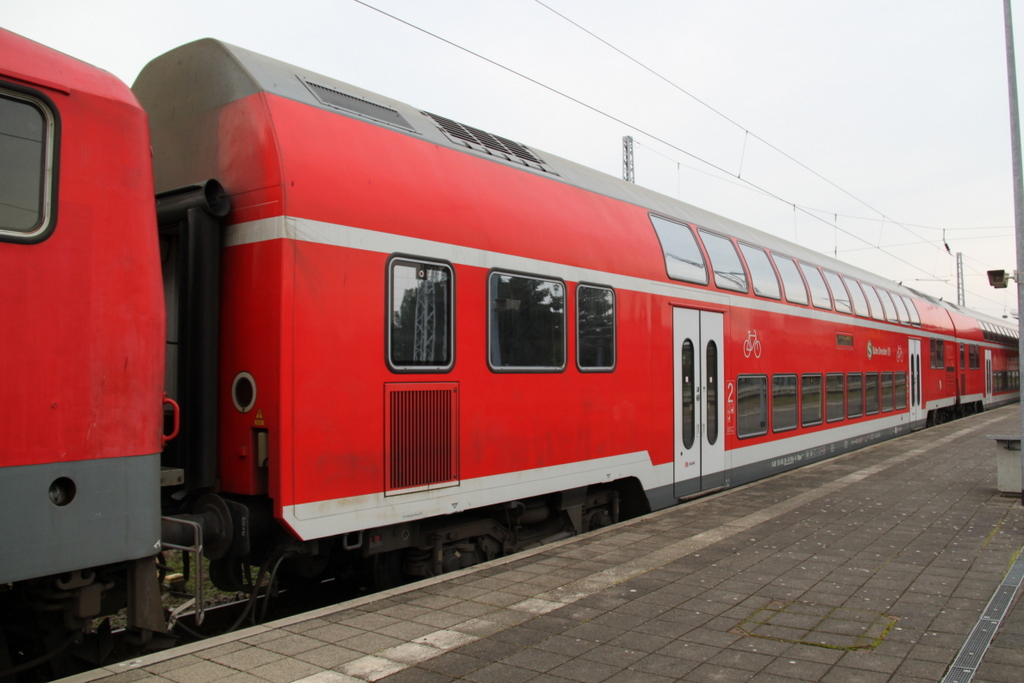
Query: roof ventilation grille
{"points": [[358, 106], [485, 142]]}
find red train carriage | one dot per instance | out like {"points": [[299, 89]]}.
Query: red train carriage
{"points": [[420, 317], [81, 343], [411, 345]]}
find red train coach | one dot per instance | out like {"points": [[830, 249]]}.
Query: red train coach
{"points": [[81, 343], [412, 345]]}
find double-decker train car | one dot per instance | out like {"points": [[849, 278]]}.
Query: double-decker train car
{"points": [[400, 345]]}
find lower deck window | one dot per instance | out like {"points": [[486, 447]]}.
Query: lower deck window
{"points": [[871, 393], [810, 400], [835, 397], [854, 395], [887, 390], [783, 403], [751, 406], [526, 329], [900, 391]]}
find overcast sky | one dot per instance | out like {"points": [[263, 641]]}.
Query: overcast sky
{"points": [[901, 105]]}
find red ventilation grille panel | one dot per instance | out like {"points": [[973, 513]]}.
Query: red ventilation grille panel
{"points": [[421, 445]]}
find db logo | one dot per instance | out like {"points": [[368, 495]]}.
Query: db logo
{"points": [[871, 350]]}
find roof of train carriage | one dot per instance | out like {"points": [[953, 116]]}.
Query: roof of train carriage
{"points": [[229, 73]]}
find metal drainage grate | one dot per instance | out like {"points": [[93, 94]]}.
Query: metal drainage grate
{"points": [[969, 658], [834, 628]]}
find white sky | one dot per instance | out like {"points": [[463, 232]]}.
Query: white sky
{"points": [[901, 103]]}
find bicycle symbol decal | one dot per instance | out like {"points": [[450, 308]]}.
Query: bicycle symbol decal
{"points": [[752, 345]]}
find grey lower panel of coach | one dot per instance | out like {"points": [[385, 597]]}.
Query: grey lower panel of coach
{"points": [[664, 496], [113, 515]]}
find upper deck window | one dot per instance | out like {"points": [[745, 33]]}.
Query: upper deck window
{"points": [[27, 131], [729, 273], [527, 323], [915, 318], [683, 258], [796, 292], [876, 305], [595, 328], [421, 331], [766, 284], [839, 294], [819, 292], [901, 308], [860, 304]]}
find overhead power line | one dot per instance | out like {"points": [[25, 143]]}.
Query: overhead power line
{"points": [[622, 122]]}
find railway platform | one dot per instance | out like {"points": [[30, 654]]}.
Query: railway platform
{"points": [[893, 563]]}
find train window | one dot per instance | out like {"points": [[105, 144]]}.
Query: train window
{"points": [[711, 382], [839, 293], [860, 304], [766, 284], [886, 391], [27, 134], [421, 333], [729, 273], [963, 358], [900, 391], [901, 308], [876, 306], [688, 389], [595, 328], [683, 258], [854, 395], [751, 406], [887, 309], [915, 318], [835, 397], [810, 400], [871, 393], [975, 357], [796, 292], [783, 403], [819, 292], [526, 328]]}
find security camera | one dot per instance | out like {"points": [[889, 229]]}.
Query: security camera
{"points": [[997, 278]]}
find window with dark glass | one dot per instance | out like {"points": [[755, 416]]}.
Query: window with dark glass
{"points": [[963, 358], [783, 403], [792, 283], [900, 391], [887, 390], [871, 393], [761, 272], [421, 333], [683, 258], [711, 380], [839, 293], [725, 262], [854, 395], [689, 391], [819, 292], [595, 328], [26, 157], [835, 397], [527, 323], [860, 304], [751, 405], [810, 400]]}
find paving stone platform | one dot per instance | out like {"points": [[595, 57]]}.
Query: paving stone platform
{"points": [[870, 567]]}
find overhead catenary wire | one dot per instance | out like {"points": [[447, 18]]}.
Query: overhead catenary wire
{"points": [[666, 143]]}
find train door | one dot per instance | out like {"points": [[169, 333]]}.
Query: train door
{"points": [[917, 412], [699, 411], [988, 373]]}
